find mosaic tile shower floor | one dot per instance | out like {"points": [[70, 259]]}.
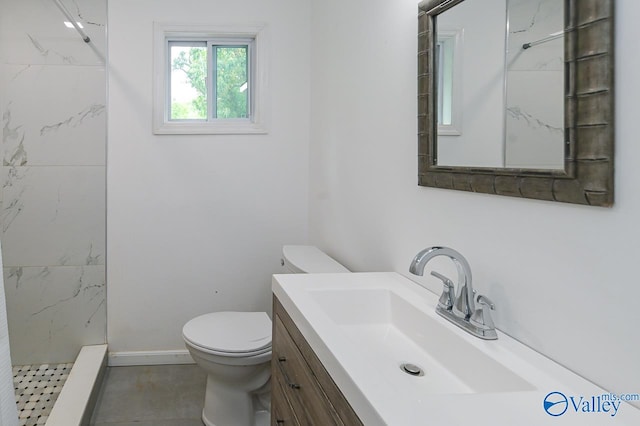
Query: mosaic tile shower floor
{"points": [[37, 388]]}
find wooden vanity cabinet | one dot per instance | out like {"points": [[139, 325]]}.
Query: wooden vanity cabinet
{"points": [[302, 392]]}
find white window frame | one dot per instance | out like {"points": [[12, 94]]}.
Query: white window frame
{"points": [[450, 42], [256, 123]]}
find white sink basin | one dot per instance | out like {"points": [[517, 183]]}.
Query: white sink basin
{"points": [[381, 321], [365, 326]]}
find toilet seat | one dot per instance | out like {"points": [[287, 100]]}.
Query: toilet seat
{"points": [[230, 334]]}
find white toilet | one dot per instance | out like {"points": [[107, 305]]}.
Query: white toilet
{"points": [[234, 348]]}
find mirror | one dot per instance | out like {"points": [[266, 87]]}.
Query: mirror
{"points": [[484, 127], [507, 73]]}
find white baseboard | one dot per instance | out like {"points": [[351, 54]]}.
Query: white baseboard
{"points": [[119, 359]]}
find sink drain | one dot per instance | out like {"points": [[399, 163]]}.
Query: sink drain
{"points": [[412, 369]]}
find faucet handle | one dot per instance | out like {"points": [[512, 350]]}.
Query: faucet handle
{"points": [[448, 292], [482, 316], [484, 300]]}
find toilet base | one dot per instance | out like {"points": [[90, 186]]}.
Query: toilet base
{"points": [[226, 406], [261, 418]]}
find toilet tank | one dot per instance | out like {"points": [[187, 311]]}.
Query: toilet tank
{"points": [[308, 260]]}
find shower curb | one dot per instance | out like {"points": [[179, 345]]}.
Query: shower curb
{"points": [[75, 404]]}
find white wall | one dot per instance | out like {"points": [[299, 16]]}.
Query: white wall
{"points": [[563, 276], [196, 223]]}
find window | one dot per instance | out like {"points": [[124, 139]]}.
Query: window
{"points": [[224, 66], [209, 80]]}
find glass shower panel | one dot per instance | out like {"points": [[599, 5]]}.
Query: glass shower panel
{"points": [[52, 104]]}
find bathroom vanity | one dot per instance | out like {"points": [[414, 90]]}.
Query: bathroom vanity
{"points": [[303, 393], [341, 342]]}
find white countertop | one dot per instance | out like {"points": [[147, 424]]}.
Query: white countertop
{"points": [[384, 395]]}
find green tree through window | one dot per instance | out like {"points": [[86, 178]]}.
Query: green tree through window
{"points": [[192, 61], [230, 76], [231, 82]]}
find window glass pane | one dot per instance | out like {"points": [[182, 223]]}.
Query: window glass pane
{"points": [[188, 81], [232, 87]]}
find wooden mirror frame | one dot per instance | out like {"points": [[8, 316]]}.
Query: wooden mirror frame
{"points": [[587, 177]]}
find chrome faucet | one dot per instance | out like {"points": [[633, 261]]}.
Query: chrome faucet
{"points": [[463, 304], [459, 309]]}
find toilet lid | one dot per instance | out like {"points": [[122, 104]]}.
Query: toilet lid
{"points": [[309, 260], [231, 332]]}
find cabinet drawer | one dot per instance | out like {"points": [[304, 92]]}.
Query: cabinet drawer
{"points": [[281, 411], [307, 398]]}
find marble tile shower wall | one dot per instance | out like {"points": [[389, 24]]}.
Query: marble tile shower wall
{"points": [[52, 103], [535, 85]]}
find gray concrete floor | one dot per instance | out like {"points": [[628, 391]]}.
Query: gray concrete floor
{"points": [[159, 395]]}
